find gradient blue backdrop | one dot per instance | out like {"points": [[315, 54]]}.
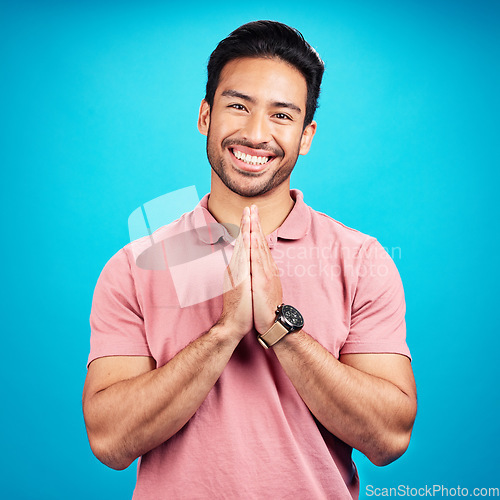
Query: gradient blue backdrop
{"points": [[98, 105]]}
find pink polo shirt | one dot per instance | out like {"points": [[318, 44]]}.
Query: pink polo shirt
{"points": [[253, 437]]}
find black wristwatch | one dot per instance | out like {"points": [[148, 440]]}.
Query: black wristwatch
{"points": [[288, 320]]}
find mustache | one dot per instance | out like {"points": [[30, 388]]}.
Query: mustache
{"points": [[226, 143]]}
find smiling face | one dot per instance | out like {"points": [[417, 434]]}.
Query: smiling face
{"points": [[255, 129]]}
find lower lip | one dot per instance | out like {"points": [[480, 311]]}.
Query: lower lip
{"points": [[250, 168]]}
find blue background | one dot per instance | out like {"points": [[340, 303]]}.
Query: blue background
{"points": [[98, 109]]}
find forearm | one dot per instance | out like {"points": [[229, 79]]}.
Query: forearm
{"points": [[131, 417], [369, 413]]}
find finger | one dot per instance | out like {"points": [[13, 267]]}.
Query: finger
{"points": [[231, 269], [257, 229], [245, 227], [260, 246], [256, 252], [244, 252], [262, 259], [255, 258], [241, 241], [259, 262], [240, 260], [258, 238], [254, 213], [237, 245]]}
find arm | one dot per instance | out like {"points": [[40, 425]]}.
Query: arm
{"points": [[131, 407], [367, 400]]}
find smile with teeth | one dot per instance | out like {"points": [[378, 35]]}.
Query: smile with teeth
{"points": [[251, 160]]}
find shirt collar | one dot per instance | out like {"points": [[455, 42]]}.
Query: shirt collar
{"points": [[294, 227], [206, 226], [298, 222]]}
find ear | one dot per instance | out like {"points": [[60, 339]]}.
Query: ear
{"points": [[204, 117], [307, 137]]}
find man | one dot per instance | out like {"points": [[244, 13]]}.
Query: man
{"points": [[263, 390]]}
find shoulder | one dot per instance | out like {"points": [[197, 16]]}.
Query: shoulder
{"points": [[327, 228], [351, 245]]}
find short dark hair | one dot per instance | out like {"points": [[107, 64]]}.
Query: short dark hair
{"points": [[269, 39]]}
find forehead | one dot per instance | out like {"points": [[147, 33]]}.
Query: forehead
{"points": [[269, 79]]}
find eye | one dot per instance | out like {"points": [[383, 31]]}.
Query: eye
{"points": [[237, 106], [282, 116]]}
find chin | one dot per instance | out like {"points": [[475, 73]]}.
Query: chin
{"points": [[249, 186], [246, 191]]}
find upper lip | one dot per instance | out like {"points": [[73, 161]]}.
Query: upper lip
{"points": [[251, 151]]}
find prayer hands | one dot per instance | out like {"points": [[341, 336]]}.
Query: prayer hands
{"points": [[266, 284], [252, 287], [237, 298]]}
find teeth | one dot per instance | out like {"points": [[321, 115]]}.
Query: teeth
{"points": [[252, 160]]}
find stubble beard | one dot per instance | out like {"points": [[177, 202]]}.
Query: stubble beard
{"points": [[256, 185]]}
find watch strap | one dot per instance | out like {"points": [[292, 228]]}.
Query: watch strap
{"points": [[273, 335]]}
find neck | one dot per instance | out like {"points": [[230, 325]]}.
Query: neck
{"points": [[227, 207]]}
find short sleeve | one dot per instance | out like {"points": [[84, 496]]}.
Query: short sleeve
{"points": [[116, 322], [378, 307]]}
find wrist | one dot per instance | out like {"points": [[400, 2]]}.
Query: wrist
{"points": [[263, 326], [227, 331], [292, 342], [287, 320]]}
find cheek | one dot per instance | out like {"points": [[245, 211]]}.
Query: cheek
{"points": [[222, 129], [291, 143]]}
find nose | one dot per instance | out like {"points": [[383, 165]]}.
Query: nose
{"points": [[257, 129]]}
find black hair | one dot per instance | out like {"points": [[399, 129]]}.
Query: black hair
{"points": [[269, 39]]}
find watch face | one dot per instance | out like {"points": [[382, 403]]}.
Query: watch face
{"points": [[292, 317]]}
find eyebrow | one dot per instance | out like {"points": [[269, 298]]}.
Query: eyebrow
{"points": [[247, 98]]}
